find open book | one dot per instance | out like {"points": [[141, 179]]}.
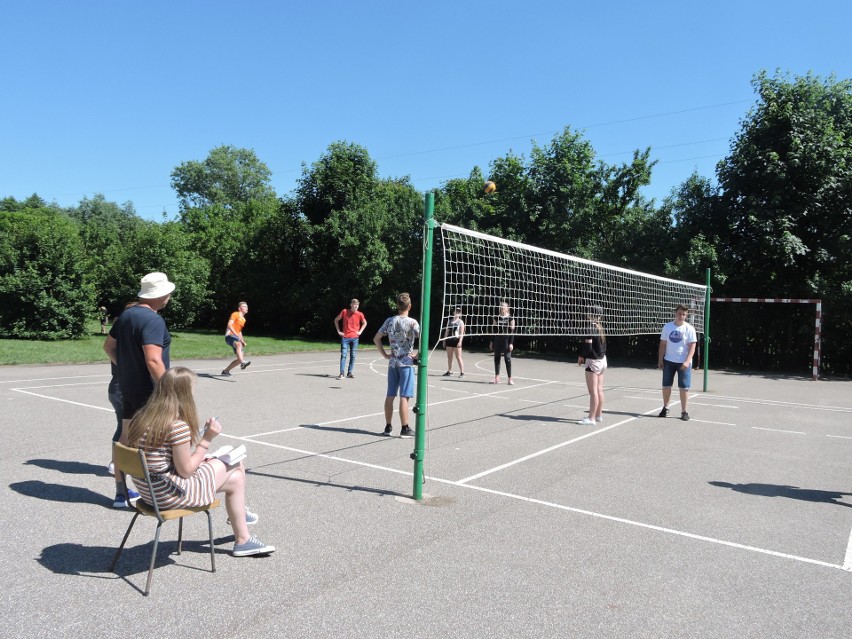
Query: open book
{"points": [[229, 454]]}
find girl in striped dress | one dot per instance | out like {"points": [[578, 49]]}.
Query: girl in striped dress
{"points": [[167, 430]]}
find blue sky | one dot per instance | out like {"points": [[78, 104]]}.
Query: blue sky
{"points": [[109, 97]]}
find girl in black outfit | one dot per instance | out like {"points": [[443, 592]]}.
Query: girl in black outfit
{"points": [[503, 344], [593, 356]]}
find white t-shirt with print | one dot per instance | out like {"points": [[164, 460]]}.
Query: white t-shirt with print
{"points": [[678, 339]]}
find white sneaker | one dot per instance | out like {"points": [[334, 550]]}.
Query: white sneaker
{"points": [[586, 422], [111, 468], [598, 419]]}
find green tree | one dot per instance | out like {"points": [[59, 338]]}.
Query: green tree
{"points": [[224, 201], [43, 291], [786, 188], [341, 179], [107, 231]]}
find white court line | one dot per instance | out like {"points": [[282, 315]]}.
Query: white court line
{"points": [[67, 401], [47, 379], [539, 502], [548, 450], [670, 531], [706, 421], [847, 561], [838, 437], [846, 566], [778, 430], [713, 405], [691, 403], [59, 385]]}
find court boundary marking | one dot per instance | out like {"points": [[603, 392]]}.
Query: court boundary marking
{"points": [[845, 566]]}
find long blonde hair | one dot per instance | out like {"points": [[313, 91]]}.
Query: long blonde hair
{"points": [[594, 315], [171, 401]]}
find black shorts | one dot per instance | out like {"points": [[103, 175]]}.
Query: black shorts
{"points": [[453, 342], [131, 403]]}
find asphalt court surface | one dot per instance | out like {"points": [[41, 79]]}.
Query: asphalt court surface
{"points": [[753, 492]]}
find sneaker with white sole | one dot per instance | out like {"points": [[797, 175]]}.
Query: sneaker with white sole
{"points": [[406, 433], [245, 365], [598, 419], [111, 468], [253, 546], [586, 422], [251, 518], [121, 501], [496, 380], [225, 374]]}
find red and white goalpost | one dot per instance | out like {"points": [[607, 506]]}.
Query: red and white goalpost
{"points": [[780, 300]]}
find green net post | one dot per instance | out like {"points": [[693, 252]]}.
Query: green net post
{"points": [[707, 330], [423, 354]]}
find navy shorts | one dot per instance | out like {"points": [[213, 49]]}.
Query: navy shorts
{"points": [[684, 377]]}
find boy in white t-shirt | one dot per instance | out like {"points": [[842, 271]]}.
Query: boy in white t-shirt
{"points": [[677, 347]]}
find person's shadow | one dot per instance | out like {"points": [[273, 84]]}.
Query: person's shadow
{"points": [[790, 492], [70, 467], [61, 493]]}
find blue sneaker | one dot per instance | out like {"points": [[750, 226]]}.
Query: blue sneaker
{"points": [[253, 546], [121, 501], [251, 518]]}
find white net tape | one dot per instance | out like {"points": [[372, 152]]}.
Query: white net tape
{"points": [[550, 293]]}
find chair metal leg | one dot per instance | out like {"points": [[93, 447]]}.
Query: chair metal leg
{"points": [[212, 550], [180, 535], [123, 541], [153, 559]]}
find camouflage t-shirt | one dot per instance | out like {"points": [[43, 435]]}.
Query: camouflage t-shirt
{"points": [[401, 332]]}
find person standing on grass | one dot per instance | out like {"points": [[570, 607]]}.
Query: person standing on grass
{"points": [[503, 342], [593, 356], [677, 348], [138, 344], [234, 338], [401, 331], [354, 324], [453, 342]]}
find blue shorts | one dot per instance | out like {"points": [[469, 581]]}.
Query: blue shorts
{"points": [[684, 377], [232, 341], [401, 381]]}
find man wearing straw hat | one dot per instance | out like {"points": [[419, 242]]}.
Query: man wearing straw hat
{"points": [[138, 344]]}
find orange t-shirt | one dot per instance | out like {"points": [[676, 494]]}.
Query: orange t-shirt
{"points": [[239, 321]]}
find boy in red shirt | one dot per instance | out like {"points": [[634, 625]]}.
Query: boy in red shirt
{"points": [[354, 324]]}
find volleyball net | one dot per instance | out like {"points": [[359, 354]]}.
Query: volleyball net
{"points": [[551, 293]]}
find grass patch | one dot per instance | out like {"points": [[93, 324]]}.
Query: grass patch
{"points": [[185, 345]]}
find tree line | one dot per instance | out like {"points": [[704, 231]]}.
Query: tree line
{"points": [[775, 221]]}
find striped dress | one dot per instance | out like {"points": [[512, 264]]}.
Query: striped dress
{"points": [[172, 490]]}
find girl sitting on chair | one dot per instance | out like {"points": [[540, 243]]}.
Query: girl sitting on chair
{"points": [[167, 430]]}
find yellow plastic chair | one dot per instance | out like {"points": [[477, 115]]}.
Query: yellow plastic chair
{"points": [[131, 461]]}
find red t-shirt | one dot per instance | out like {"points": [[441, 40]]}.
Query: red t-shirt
{"points": [[351, 322]]}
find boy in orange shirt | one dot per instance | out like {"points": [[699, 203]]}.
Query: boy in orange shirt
{"points": [[234, 338]]}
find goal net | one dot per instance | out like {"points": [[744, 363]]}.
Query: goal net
{"points": [[550, 293]]}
